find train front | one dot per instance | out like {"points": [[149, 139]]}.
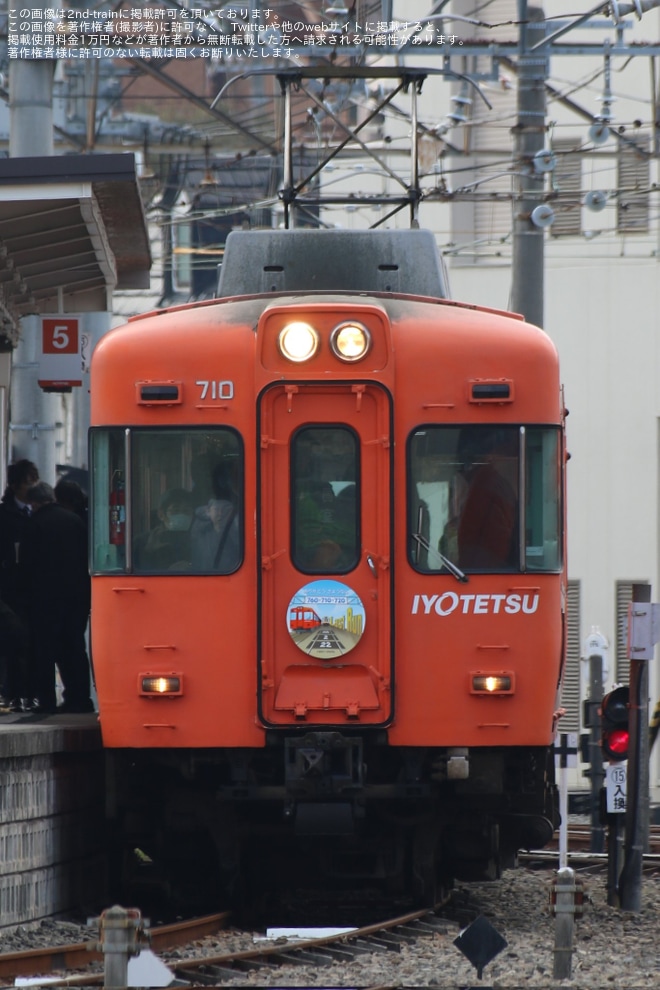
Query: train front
{"points": [[328, 578]]}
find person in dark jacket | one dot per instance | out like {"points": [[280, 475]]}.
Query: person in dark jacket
{"points": [[71, 496], [15, 641], [54, 564], [14, 518]]}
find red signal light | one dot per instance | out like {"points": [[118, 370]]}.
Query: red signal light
{"points": [[618, 741], [615, 736]]}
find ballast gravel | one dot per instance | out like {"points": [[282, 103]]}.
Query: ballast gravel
{"points": [[611, 948]]}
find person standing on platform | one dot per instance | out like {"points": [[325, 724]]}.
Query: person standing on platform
{"points": [[14, 519], [54, 563], [71, 496]]}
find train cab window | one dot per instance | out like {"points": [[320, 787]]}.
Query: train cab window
{"points": [[108, 505], [474, 491], [167, 501], [324, 500], [542, 500]]}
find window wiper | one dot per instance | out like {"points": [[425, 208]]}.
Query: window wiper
{"points": [[445, 561]]}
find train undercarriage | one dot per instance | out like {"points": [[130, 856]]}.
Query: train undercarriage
{"points": [[207, 827]]}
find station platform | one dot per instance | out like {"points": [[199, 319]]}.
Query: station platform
{"points": [[52, 831]]}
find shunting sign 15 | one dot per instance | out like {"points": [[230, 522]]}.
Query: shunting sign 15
{"points": [[616, 779]]}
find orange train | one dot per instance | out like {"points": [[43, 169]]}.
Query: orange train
{"points": [[330, 435]]}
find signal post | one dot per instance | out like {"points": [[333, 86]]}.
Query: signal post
{"points": [[614, 742], [643, 625], [624, 716], [590, 742]]}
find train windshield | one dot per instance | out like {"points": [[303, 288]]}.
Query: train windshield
{"points": [[167, 501], [324, 472], [485, 499]]}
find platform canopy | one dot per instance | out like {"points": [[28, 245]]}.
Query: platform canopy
{"points": [[72, 229]]}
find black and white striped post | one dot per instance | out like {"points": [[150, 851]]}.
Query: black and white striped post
{"points": [[566, 750], [564, 888]]}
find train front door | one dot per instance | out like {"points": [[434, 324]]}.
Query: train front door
{"points": [[325, 552]]}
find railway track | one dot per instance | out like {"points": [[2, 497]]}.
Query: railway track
{"points": [[79, 955], [388, 936], [211, 969], [83, 962], [579, 840]]}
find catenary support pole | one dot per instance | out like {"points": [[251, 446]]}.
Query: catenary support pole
{"points": [[34, 414], [529, 137]]}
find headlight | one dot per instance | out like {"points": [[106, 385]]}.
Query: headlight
{"points": [[160, 685], [497, 682], [298, 342], [350, 341]]}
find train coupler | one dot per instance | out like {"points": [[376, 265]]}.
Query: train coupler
{"points": [[323, 818], [324, 781], [323, 764]]}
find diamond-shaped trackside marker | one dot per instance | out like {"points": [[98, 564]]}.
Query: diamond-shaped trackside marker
{"points": [[480, 943]]}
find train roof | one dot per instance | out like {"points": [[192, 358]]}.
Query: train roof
{"points": [[305, 260], [240, 307]]}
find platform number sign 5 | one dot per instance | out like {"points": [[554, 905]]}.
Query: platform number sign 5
{"points": [[60, 336], [60, 362]]}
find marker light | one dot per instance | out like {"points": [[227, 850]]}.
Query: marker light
{"points": [[160, 685], [298, 341], [496, 683], [350, 341]]}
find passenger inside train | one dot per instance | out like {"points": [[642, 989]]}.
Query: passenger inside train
{"points": [[325, 523], [486, 532], [167, 545], [214, 537]]}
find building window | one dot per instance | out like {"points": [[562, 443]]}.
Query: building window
{"points": [[571, 698], [182, 256], [633, 177], [567, 180], [624, 594]]}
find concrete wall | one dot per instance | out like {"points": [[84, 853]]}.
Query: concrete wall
{"points": [[51, 821]]}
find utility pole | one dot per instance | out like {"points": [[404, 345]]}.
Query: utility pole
{"points": [[529, 138], [45, 428]]}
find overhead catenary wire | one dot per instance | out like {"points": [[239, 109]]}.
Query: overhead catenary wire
{"points": [[301, 126]]}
